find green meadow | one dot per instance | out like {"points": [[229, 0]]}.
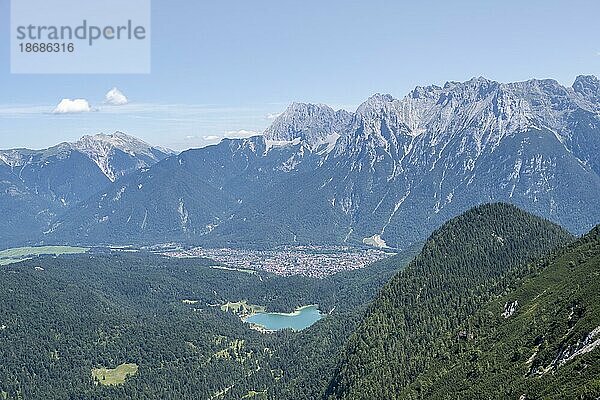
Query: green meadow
{"points": [[11, 256], [116, 376]]}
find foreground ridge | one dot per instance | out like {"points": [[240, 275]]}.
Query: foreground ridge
{"points": [[421, 315]]}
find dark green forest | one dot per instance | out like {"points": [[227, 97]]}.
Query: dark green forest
{"points": [[488, 309], [63, 316], [543, 350]]}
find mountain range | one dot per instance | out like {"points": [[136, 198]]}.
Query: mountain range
{"points": [[385, 175], [38, 185]]}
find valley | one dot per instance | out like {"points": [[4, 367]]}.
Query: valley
{"points": [[441, 245], [133, 321], [300, 200], [109, 311]]}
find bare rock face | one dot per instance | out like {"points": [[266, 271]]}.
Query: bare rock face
{"points": [[311, 123]]}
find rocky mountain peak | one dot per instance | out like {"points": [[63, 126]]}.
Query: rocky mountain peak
{"points": [[101, 149], [376, 104], [587, 86], [427, 92], [311, 123], [583, 82], [117, 140]]}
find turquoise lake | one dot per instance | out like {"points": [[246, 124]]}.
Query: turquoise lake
{"points": [[300, 319]]}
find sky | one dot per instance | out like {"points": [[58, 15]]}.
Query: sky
{"points": [[227, 68]]}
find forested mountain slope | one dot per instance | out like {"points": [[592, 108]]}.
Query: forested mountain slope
{"points": [[415, 319], [541, 340]]}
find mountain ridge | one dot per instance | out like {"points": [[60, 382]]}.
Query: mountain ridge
{"points": [[468, 261], [414, 161], [535, 337], [36, 186]]}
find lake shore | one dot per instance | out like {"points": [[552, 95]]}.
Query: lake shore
{"points": [[267, 322]]}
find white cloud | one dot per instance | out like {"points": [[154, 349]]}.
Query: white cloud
{"points": [[211, 138], [68, 106], [273, 115], [242, 133], [115, 97]]}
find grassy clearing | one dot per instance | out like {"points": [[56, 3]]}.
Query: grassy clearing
{"points": [[191, 346], [219, 339], [7, 261], [221, 393], [15, 255], [235, 351], [116, 376]]}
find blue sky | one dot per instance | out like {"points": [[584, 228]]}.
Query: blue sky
{"points": [[224, 68]]}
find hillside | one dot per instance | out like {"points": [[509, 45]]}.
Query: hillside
{"points": [[414, 321], [541, 340]]}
